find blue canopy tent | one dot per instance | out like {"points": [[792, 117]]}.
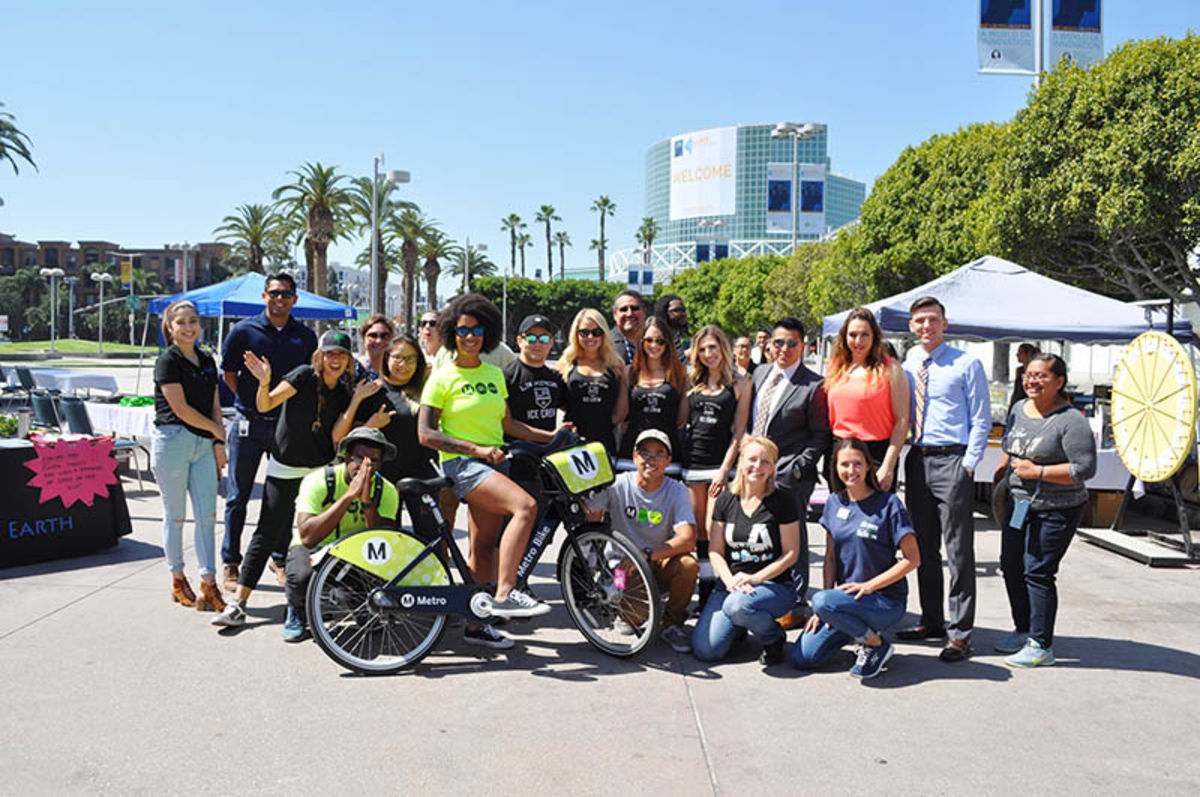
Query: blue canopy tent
{"points": [[992, 299]]}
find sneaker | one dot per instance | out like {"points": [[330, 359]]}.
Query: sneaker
{"points": [[518, 604], [678, 638], [772, 652], [1032, 655], [294, 629], [871, 660], [280, 572], [1011, 643], [233, 616], [624, 628], [231, 578], [488, 637]]}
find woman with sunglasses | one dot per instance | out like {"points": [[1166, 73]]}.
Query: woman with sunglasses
{"points": [[868, 393], [464, 415], [657, 383], [376, 333], [595, 378]]}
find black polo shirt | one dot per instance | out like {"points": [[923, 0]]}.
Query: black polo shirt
{"points": [[199, 383], [285, 349]]}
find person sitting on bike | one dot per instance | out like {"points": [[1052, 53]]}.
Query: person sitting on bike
{"points": [[333, 502], [464, 415], [656, 513]]}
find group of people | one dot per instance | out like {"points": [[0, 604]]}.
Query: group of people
{"points": [[749, 424]]}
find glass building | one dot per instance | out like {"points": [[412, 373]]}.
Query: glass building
{"points": [[730, 195]]}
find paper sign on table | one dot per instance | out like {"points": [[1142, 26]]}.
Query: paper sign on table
{"points": [[73, 470]]}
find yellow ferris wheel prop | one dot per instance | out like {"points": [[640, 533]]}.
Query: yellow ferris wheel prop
{"points": [[1154, 406]]}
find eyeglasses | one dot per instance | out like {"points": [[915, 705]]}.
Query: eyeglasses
{"points": [[378, 335], [1036, 376], [789, 343], [651, 456], [537, 338], [591, 332], [281, 294], [432, 322], [629, 308], [655, 341], [477, 331], [410, 359]]}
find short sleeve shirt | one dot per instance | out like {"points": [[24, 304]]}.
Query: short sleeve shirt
{"points": [[472, 401], [648, 518], [534, 394], [753, 542], [199, 383], [866, 535], [311, 500], [304, 432], [285, 348]]}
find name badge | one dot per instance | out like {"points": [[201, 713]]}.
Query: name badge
{"points": [[243, 428], [843, 513]]}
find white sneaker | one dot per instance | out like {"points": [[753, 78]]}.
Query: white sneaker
{"points": [[233, 616], [488, 637], [622, 627], [518, 604]]}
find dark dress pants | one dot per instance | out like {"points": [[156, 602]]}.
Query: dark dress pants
{"points": [[245, 454]]}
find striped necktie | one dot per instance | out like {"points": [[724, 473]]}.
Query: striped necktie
{"points": [[764, 404], [920, 393]]}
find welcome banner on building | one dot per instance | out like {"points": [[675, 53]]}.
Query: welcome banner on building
{"points": [[704, 173], [1075, 31], [1006, 37]]}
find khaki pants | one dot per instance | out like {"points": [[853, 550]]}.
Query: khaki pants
{"points": [[676, 579]]}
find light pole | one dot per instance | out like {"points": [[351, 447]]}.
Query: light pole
{"points": [[711, 225], [393, 176], [101, 279], [797, 133], [185, 249], [53, 274], [70, 281], [467, 250]]}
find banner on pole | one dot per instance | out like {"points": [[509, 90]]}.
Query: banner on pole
{"points": [[1075, 31], [126, 274], [1006, 37], [779, 198]]}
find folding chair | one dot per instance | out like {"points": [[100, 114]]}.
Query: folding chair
{"points": [[78, 422], [45, 414]]}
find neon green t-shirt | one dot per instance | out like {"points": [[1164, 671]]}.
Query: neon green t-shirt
{"points": [[473, 402], [311, 499]]}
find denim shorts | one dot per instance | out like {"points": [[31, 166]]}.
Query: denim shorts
{"points": [[468, 473]]}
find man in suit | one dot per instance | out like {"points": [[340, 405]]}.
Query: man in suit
{"points": [[790, 409]]}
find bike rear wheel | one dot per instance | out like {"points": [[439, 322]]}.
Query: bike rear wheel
{"points": [[609, 591], [363, 638]]}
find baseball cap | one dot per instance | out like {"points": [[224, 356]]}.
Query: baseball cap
{"points": [[653, 434], [534, 320], [367, 434], [333, 340]]}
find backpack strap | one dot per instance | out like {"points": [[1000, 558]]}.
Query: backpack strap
{"points": [[330, 485]]}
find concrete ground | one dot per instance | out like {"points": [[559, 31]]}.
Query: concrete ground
{"points": [[111, 688]]}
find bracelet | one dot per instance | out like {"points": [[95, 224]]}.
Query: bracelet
{"points": [[1042, 473]]}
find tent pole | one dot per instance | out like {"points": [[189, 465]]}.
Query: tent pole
{"points": [[137, 385]]}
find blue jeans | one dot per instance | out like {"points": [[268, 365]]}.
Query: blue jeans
{"points": [[726, 612], [848, 619], [184, 465], [1029, 560], [245, 454]]}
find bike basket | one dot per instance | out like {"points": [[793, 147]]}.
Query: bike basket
{"points": [[582, 469]]}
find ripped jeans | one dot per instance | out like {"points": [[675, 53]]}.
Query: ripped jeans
{"points": [[184, 464]]}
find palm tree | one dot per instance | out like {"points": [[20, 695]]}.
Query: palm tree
{"points": [[478, 262], [411, 228], [523, 240], [563, 240], [546, 215], [435, 248], [646, 235], [318, 200], [605, 207], [386, 207], [597, 245], [13, 143], [513, 225], [256, 233]]}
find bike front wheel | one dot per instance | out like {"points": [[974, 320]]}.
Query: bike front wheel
{"points": [[609, 591], [361, 637]]}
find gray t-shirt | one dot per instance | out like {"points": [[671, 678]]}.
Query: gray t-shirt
{"points": [[649, 519], [1062, 436]]}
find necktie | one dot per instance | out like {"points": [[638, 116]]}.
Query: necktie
{"points": [[764, 404], [920, 393]]}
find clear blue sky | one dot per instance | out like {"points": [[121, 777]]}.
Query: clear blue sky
{"points": [[151, 121]]}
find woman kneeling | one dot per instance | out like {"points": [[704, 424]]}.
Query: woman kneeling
{"points": [[863, 529]]}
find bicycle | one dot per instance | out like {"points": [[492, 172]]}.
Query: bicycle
{"points": [[379, 599]]}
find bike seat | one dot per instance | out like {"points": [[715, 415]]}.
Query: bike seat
{"points": [[565, 438], [412, 486]]}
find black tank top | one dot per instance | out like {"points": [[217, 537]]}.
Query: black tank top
{"points": [[651, 408], [590, 404], [711, 427]]}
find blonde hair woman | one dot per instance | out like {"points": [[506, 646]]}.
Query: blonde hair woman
{"points": [[597, 400]]}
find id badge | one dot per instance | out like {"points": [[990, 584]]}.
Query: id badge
{"points": [[1019, 513], [243, 428]]}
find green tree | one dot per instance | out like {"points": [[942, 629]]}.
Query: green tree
{"points": [[785, 290], [435, 248], [562, 241], [646, 234], [13, 143], [317, 203], [386, 206], [546, 215], [411, 228], [605, 207], [559, 300], [256, 233], [513, 225], [478, 262]]}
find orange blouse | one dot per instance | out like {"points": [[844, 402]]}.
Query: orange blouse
{"points": [[861, 408]]}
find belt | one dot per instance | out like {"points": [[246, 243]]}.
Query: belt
{"points": [[255, 416], [933, 451]]}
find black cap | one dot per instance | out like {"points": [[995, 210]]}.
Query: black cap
{"points": [[334, 340], [535, 320]]}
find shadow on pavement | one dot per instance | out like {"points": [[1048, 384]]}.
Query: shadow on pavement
{"points": [[126, 550], [1096, 653]]}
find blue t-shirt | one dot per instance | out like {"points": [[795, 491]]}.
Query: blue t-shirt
{"points": [[866, 535], [286, 349]]}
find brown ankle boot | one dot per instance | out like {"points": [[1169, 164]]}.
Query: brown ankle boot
{"points": [[181, 591], [210, 598]]}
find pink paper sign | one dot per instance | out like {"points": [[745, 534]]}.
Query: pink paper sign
{"points": [[73, 469]]}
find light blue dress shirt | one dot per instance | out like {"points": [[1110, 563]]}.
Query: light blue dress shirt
{"points": [[958, 406]]}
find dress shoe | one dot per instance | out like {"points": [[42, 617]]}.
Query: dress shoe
{"points": [[210, 599], [231, 578], [918, 632], [181, 591], [955, 650], [793, 619]]}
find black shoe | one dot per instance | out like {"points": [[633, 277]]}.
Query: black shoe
{"points": [[955, 650], [921, 632], [772, 653]]}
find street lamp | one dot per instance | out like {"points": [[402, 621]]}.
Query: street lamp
{"points": [[797, 133], [711, 224], [393, 176], [467, 250], [101, 279], [53, 274], [185, 248], [71, 282]]}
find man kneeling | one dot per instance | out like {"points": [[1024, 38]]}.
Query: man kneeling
{"points": [[333, 502]]}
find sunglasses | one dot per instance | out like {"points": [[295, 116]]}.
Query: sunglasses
{"points": [[655, 341], [788, 343], [427, 323], [477, 331], [537, 338], [629, 308], [594, 332], [278, 294]]}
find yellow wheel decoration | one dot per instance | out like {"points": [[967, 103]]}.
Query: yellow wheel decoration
{"points": [[1154, 406]]}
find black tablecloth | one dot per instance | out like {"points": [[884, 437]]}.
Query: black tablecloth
{"points": [[35, 532]]}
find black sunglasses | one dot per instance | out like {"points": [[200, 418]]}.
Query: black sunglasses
{"points": [[281, 294], [537, 338], [477, 331], [790, 343], [594, 332], [427, 323]]}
